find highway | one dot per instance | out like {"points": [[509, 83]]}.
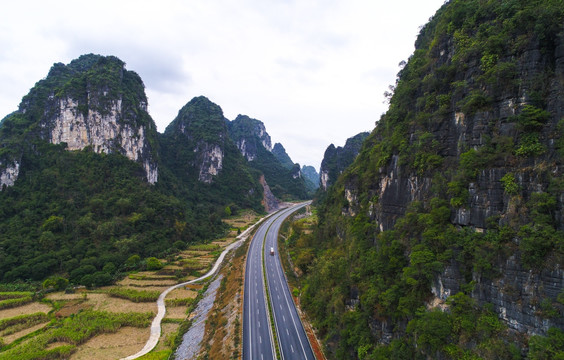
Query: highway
{"points": [[257, 332]]}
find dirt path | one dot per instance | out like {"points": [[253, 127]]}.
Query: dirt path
{"points": [[156, 325]]}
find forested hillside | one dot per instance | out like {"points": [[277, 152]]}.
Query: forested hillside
{"points": [[444, 239], [89, 188]]}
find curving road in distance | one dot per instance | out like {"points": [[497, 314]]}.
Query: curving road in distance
{"points": [[257, 332]]}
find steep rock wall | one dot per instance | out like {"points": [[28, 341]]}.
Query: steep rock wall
{"points": [[104, 132], [9, 173], [210, 161], [473, 132]]}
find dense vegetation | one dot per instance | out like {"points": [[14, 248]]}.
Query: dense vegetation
{"points": [[369, 290], [81, 213], [88, 217], [200, 125], [280, 153], [311, 178]]}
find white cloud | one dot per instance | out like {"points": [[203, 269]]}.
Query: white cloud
{"points": [[313, 71]]}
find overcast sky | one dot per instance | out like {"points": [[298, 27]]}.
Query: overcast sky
{"points": [[314, 71]]}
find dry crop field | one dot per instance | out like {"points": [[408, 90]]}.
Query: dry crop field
{"points": [[114, 321]]}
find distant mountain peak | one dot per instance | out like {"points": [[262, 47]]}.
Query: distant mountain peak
{"points": [[337, 159], [249, 134]]}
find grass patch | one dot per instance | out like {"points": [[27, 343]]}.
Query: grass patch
{"points": [[157, 355], [10, 303], [73, 331], [134, 295], [179, 302], [14, 294], [204, 247], [22, 322], [193, 264], [148, 277]]}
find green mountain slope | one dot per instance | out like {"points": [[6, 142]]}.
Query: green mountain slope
{"points": [[312, 178], [444, 238], [206, 164], [280, 152], [250, 135], [87, 182]]}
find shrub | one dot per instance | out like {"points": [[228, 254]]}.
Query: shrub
{"points": [[153, 263], [56, 283], [133, 261], [134, 295], [532, 118], [509, 185], [530, 146]]}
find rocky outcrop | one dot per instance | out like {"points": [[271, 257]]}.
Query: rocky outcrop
{"points": [[296, 172], [103, 132], [254, 143], [269, 201], [199, 135], [211, 162], [337, 159], [469, 139], [9, 173], [249, 135], [93, 102]]}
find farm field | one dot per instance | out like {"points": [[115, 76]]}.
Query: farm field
{"points": [[114, 321]]}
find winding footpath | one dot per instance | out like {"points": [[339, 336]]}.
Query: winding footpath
{"points": [[156, 325]]}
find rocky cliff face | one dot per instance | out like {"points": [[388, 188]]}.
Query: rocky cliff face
{"points": [[269, 201], [94, 102], [465, 172], [506, 143], [9, 173], [337, 159], [104, 132]]}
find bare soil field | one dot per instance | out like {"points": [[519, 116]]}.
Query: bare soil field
{"points": [[112, 346]]}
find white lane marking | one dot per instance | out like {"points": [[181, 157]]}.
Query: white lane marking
{"points": [[260, 339], [290, 309], [291, 347], [284, 318], [287, 332]]}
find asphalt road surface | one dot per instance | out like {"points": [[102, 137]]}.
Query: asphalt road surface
{"points": [[257, 333]]}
